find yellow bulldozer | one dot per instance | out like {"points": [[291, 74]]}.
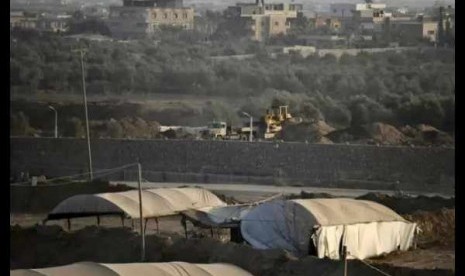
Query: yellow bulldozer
{"points": [[275, 118]]}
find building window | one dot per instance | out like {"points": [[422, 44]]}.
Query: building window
{"points": [[184, 15], [431, 32], [276, 23], [176, 15], [154, 15], [165, 15]]}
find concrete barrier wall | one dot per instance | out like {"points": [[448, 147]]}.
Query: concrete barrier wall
{"points": [[430, 169]]}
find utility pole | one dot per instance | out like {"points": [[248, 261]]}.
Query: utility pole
{"points": [[141, 220], [82, 51]]}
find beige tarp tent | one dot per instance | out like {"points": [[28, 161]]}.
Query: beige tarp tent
{"points": [[149, 269], [155, 203], [366, 228]]}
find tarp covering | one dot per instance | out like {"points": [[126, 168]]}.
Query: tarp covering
{"points": [[366, 228], [155, 269], [223, 216], [155, 203]]}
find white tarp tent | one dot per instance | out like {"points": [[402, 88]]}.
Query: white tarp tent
{"points": [[366, 228], [155, 269], [155, 203]]}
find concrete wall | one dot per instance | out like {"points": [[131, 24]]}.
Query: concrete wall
{"points": [[431, 169]]}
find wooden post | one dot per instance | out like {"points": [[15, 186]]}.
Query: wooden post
{"points": [[141, 219], [158, 229], [344, 253]]}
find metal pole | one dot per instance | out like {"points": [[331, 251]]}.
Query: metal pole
{"points": [[142, 230], [56, 120], [251, 129], [86, 113]]}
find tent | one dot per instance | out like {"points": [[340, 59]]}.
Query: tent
{"points": [[155, 269], [323, 226], [155, 203]]}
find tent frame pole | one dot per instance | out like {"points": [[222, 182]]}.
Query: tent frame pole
{"points": [[344, 254], [184, 224]]}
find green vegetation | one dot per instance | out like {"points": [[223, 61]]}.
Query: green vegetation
{"points": [[397, 88]]}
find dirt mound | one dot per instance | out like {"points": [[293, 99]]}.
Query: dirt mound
{"points": [[385, 134], [437, 228], [426, 135], [409, 205], [312, 132], [305, 195], [376, 133]]}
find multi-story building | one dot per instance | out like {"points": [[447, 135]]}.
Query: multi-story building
{"points": [[366, 17], [39, 21], [141, 18], [263, 21]]}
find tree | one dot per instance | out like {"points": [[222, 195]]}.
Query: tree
{"points": [[20, 125], [74, 128]]}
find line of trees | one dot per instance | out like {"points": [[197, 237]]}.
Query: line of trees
{"points": [[400, 88]]}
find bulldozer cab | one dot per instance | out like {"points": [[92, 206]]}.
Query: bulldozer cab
{"points": [[278, 113]]}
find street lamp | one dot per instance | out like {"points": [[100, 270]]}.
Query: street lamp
{"points": [[56, 119], [251, 125]]}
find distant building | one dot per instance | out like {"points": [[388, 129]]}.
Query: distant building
{"points": [[39, 21], [264, 20], [347, 10], [415, 30], [327, 21], [141, 18], [366, 17]]}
